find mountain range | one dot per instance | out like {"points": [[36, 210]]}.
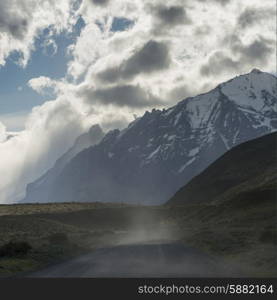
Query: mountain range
{"points": [[158, 153]]}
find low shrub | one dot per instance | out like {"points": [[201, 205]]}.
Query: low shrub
{"points": [[15, 248]]}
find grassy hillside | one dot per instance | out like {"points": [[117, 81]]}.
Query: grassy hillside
{"points": [[243, 235], [231, 208]]}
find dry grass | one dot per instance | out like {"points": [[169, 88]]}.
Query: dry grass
{"points": [[243, 235]]}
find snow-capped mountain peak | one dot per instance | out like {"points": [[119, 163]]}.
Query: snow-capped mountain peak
{"points": [[256, 86], [156, 154]]}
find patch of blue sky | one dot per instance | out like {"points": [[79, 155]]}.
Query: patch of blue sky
{"points": [[121, 24], [118, 24], [15, 94]]}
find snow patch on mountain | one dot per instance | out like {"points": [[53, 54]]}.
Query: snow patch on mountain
{"points": [[186, 164]]}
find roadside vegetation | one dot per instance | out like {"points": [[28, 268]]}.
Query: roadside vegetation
{"points": [[242, 233], [35, 235]]}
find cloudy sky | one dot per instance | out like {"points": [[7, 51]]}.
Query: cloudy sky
{"points": [[65, 65]]}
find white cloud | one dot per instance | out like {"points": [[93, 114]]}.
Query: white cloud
{"points": [[21, 21], [50, 47], [200, 34], [41, 83], [196, 33], [50, 131], [3, 134]]}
